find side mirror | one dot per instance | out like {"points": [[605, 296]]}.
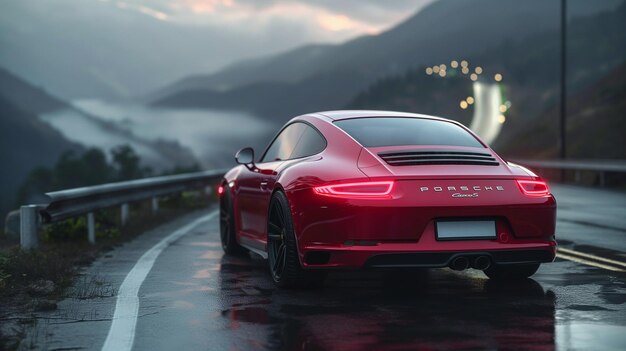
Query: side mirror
{"points": [[245, 156]]}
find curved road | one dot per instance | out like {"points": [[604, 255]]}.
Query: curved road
{"points": [[195, 298]]}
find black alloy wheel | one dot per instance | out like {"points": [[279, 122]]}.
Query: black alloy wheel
{"points": [[282, 250]]}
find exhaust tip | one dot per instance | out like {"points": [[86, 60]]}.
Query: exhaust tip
{"points": [[460, 263], [482, 263]]}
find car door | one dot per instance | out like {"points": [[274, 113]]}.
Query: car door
{"points": [[255, 185]]}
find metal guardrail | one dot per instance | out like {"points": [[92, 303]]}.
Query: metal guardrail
{"points": [[600, 166], [72, 203]]}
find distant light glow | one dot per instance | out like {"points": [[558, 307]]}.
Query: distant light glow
{"points": [[501, 119], [498, 77], [464, 63], [478, 70], [429, 70], [463, 104], [474, 77], [470, 100], [435, 69], [442, 67], [503, 108], [454, 64], [465, 70], [442, 73]]}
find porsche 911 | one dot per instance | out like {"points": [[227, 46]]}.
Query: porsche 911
{"points": [[384, 190]]}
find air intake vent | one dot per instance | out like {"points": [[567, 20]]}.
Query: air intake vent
{"points": [[412, 158]]}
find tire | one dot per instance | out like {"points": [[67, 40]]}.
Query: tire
{"points": [[511, 272], [282, 250], [227, 226]]}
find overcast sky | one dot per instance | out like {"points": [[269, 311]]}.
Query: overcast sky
{"points": [[133, 46], [327, 20]]}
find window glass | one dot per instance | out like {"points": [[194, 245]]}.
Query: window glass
{"points": [[395, 131], [284, 144], [311, 142]]}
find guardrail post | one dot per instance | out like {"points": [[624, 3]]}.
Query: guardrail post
{"points": [[124, 214], [602, 179], [155, 205], [29, 222], [91, 228]]}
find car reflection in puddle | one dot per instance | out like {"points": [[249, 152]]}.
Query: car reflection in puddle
{"points": [[385, 310]]}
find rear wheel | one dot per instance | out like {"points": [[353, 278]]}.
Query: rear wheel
{"points": [[227, 226], [511, 272], [282, 250]]}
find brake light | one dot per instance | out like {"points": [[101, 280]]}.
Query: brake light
{"points": [[220, 190], [534, 187], [371, 190]]}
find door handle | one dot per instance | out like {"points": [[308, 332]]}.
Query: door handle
{"points": [[263, 185]]}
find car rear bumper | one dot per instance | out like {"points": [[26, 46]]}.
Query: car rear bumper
{"points": [[407, 255]]}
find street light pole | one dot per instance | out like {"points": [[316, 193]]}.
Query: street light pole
{"points": [[563, 99]]}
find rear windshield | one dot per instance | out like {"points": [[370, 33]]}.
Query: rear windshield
{"points": [[396, 131]]}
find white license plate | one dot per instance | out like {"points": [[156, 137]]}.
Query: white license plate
{"points": [[460, 230]]}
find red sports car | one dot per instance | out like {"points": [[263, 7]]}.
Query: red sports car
{"points": [[361, 189]]}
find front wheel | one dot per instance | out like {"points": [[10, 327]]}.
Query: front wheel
{"points": [[511, 272], [282, 250]]}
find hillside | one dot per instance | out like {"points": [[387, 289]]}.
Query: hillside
{"points": [[596, 46], [25, 143], [26, 96], [330, 76], [595, 124]]}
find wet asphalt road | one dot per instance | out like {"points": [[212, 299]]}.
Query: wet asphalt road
{"points": [[195, 298]]}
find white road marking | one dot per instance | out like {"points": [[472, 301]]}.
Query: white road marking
{"points": [[593, 257], [122, 333]]}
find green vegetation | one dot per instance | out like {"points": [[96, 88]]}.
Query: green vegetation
{"points": [[74, 170]]}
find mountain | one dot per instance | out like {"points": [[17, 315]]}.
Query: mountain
{"points": [[595, 111], [322, 77], [596, 50], [36, 128], [25, 143], [26, 96]]}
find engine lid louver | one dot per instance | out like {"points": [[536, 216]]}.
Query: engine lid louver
{"points": [[443, 157]]}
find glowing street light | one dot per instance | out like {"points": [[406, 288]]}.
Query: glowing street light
{"points": [[470, 100], [478, 70], [463, 104], [454, 64], [497, 77], [474, 77], [429, 70]]}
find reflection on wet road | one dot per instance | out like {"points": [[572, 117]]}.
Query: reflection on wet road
{"points": [[197, 298]]}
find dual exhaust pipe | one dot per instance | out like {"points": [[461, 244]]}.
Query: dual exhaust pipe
{"points": [[462, 263]]}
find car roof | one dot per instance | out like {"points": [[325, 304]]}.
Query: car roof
{"points": [[347, 114]]}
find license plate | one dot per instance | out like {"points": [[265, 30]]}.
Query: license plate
{"points": [[464, 230]]}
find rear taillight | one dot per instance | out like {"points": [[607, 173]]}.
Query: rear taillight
{"points": [[363, 190], [220, 190], [534, 187]]}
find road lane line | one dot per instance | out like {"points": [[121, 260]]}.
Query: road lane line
{"points": [[593, 257], [587, 262], [122, 332]]}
